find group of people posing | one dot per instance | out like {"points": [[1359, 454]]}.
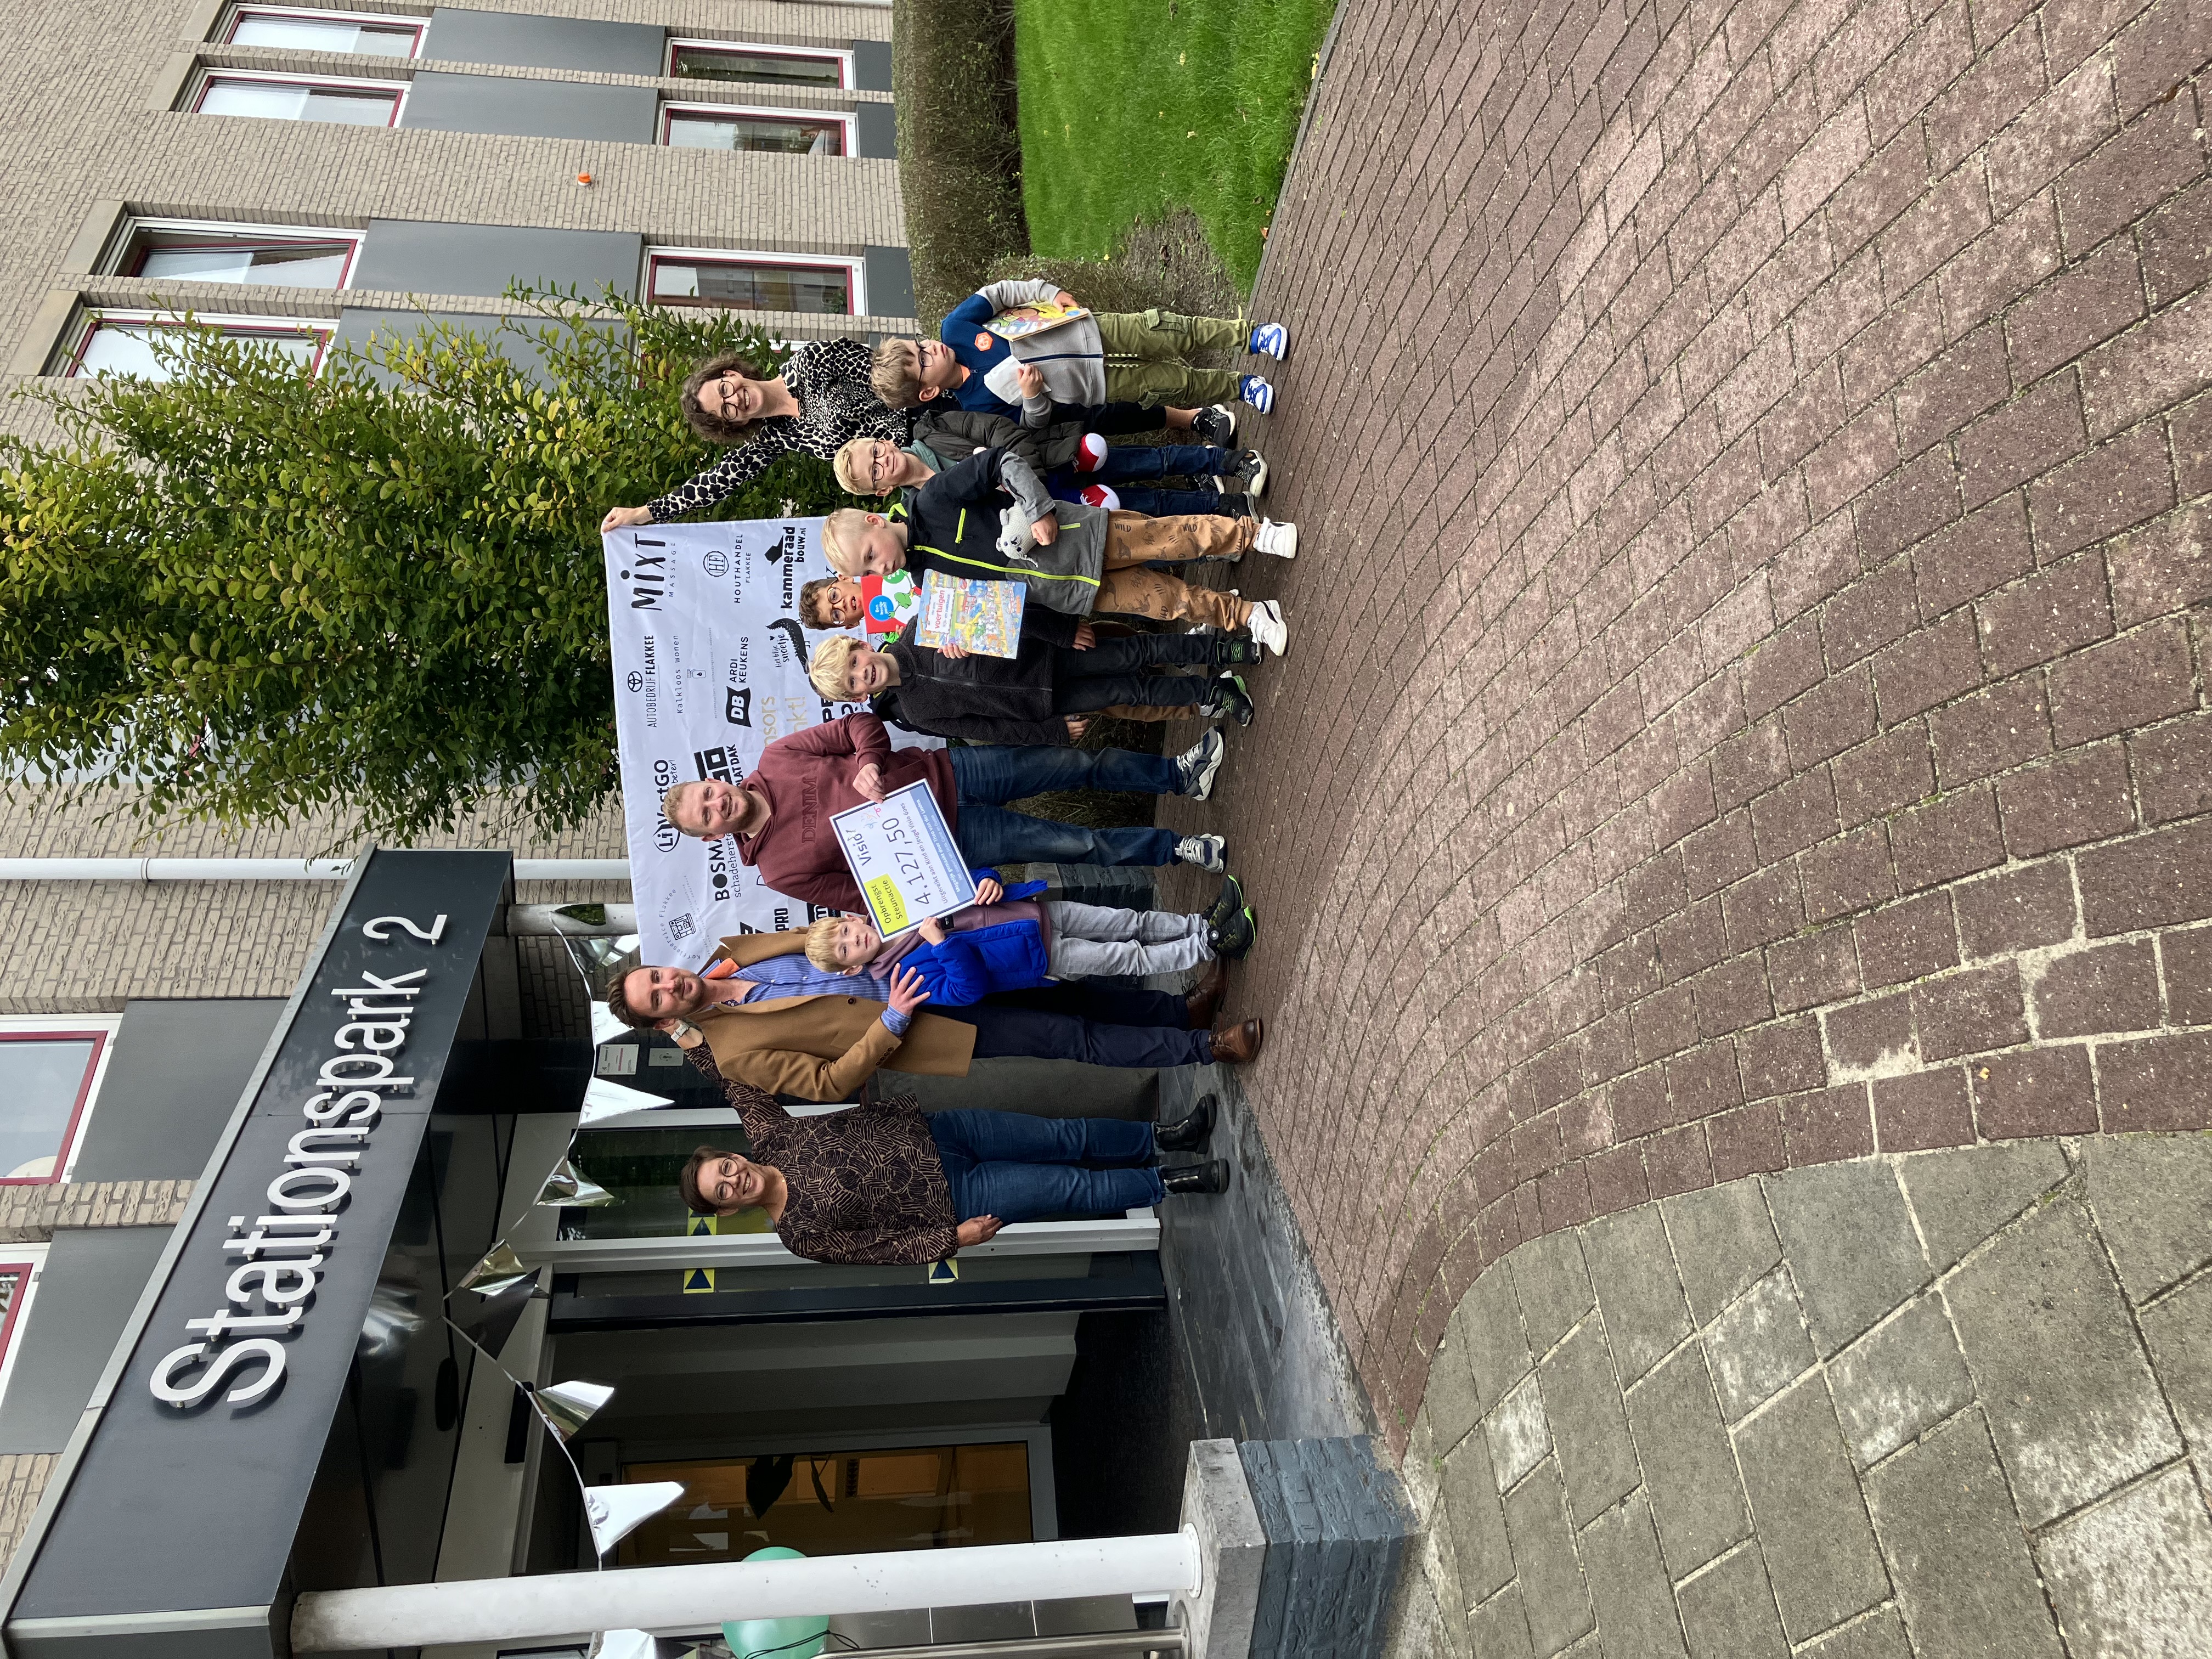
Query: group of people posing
{"points": [[990, 443]]}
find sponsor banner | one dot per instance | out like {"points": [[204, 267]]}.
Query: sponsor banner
{"points": [[710, 668]]}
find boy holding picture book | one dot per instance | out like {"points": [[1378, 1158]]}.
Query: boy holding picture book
{"points": [[1075, 559]]}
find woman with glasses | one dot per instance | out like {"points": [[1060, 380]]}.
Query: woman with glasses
{"points": [[819, 402]]}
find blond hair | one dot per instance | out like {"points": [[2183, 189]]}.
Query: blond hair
{"points": [[822, 944], [851, 467], [841, 539], [826, 669], [668, 797], [894, 375]]}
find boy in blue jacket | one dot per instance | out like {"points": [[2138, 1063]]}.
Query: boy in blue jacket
{"points": [[1021, 943]]}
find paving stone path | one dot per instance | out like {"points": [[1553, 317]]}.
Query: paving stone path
{"points": [[1746, 714], [1941, 1403]]}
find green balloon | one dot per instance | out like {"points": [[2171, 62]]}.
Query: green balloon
{"points": [[776, 1639]]}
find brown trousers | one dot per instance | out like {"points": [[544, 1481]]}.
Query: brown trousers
{"points": [[1135, 540]]}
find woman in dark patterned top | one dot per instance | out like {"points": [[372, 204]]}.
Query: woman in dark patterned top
{"points": [[890, 1183], [820, 401]]}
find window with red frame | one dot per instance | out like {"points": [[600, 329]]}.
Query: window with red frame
{"points": [[733, 60], [45, 1077], [273, 98], [742, 283], [113, 345], [298, 29], [788, 132]]}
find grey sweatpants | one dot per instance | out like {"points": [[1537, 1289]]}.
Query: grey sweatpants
{"points": [[1090, 939]]}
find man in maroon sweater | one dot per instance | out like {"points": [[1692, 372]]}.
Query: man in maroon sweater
{"points": [[781, 814]]}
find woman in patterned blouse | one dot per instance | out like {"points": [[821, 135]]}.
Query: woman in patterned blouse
{"points": [[889, 1183], [819, 402]]}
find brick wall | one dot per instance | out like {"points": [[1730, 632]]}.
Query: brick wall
{"points": [[29, 1215], [1750, 698]]}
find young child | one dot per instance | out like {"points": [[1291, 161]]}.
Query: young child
{"points": [[1076, 559], [1040, 696], [1076, 465], [1107, 356], [1021, 943]]}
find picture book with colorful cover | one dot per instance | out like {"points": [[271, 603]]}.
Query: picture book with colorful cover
{"points": [[984, 618], [1018, 322]]}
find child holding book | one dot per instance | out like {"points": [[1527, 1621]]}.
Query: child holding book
{"points": [[1097, 358], [1076, 465], [1075, 559], [1021, 943], [1041, 694]]}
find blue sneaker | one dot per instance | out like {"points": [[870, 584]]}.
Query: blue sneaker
{"points": [[1257, 393], [1270, 340]]}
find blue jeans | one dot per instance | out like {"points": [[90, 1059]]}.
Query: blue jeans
{"points": [[1134, 462], [989, 776], [1017, 1167]]}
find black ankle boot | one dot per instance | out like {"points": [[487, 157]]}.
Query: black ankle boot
{"points": [[1211, 1177], [1188, 1134]]}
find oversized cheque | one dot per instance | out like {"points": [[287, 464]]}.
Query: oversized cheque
{"points": [[709, 668]]}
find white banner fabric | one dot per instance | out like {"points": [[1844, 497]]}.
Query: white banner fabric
{"points": [[710, 668]]}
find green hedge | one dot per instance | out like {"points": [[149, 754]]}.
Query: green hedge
{"points": [[960, 158]]}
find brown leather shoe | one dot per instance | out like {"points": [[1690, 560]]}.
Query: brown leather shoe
{"points": [[1204, 1001], [1239, 1044]]}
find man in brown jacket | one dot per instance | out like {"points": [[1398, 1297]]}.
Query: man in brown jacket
{"points": [[773, 1019]]}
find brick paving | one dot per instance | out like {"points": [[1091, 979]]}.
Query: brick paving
{"points": [[1939, 1403], [1746, 706]]}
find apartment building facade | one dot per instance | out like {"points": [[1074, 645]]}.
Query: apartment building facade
{"points": [[310, 174]]}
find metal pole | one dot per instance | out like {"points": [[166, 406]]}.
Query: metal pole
{"points": [[1102, 1643], [513, 1610], [150, 869]]}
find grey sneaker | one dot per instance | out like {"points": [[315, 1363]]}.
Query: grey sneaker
{"points": [[1199, 763], [1249, 478], [1207, 852]]}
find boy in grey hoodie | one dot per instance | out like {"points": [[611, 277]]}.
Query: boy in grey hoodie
{"points": [[1118, 357]]}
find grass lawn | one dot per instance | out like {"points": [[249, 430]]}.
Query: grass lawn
{"points": [[1130, 108]]}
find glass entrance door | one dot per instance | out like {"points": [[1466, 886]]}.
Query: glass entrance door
{"points": [[835, 1503]]}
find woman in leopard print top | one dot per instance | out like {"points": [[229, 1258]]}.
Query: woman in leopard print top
{"points": [[889, 1183], [819, 402]]}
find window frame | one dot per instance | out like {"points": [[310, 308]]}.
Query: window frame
{"points": [[226, 33], [841, 56], [31, 1259], [856, 270], [90, 319], [252, 231], [847, 122], [101, 1028], [203, 82]]}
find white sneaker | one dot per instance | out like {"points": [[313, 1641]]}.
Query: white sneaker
{"points": [[1268, 628], [1207, 853], [1280, 539], [1199, 763]]}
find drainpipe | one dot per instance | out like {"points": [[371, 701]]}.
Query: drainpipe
{"points": [[697, 1598], [151, 870]]}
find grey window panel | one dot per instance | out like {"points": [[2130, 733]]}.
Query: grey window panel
{"points": [[876, 130], [530, 109], [414, 256], [91, 1280], [176, 1075], [526, 40], [871, 65], [890, 281], [356, 325]]}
